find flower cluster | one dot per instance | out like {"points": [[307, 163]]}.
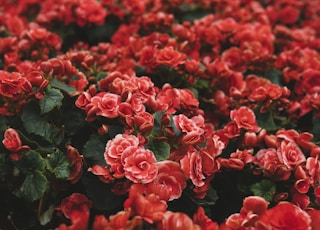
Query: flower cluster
{"points": [[162, 114]]}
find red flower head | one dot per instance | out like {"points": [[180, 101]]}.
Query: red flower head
{"points": [[170, 181], [76, 208], [76, 163], [170, 57], [13, 143], [191, 165], [290, 154], [192, 129], [139, 164], [245, 118], [285, 216], [12, 140], [114, 150], [149, 207], [102, 173], [107, 104], [13, 85], [177, 221], [203, 221]]}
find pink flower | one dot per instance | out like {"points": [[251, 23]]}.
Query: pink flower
{"points": [[170, 57], [114, 150], [102, 173], [285, 216], [107, 104], [13, 143], [149, 207], [290, 154], [139, 164], [169, 182], [191, 128], [244, 118], [76, 207], [191, 165], [177, 221], [271, 165]]}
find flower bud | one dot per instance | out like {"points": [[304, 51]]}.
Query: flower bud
{"points": [[250, 139]]}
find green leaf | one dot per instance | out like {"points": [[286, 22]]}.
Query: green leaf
{"points": [[101, 75], [33, 186], [157, 122], [94, 149], [265, 189], [265, 120], [274, 75], [30, 162], [62, 86], [46, 217], [58, 164], [315, 129], [210, 198], [73, 119], [101, 194], [160, 149], [201, 84], [52, 99], [37, 124]]}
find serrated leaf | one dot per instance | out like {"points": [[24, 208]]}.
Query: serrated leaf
{"points": [[62, 86], [52, 99], [30, 162], [33, 186], [46, 217], [37, 124], [264, 189], [160, 149], [94, 149], [58, 164]]}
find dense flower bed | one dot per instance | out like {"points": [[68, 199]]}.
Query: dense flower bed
{"points": [[160, 114]]}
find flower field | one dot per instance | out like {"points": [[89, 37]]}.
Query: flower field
{"points": [[160, 114]]}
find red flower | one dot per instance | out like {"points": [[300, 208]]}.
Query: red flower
{"points": [[139, 164], [76, 163], [90, 11], [285, 216], [12, 85], [177, 221], [144, 122], [191, 165], [12, 140], [114, 150], [149, 207], [170, 181], [244, 118], [191, 128], [13, 143], [290, 154], [170, 57], [203, 221], [269, 162], [107, 104], [102, 173], [76, 208]]}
